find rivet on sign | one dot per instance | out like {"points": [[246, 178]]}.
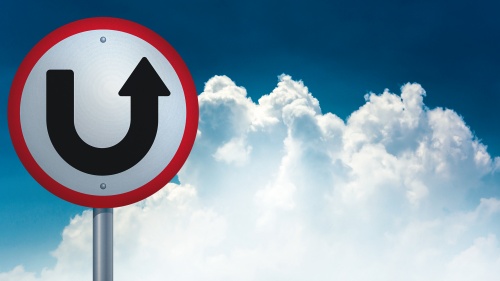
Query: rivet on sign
{"points": [[103, 186], [103, 39]]}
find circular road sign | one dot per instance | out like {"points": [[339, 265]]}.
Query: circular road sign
{"points": [[103, 112]]}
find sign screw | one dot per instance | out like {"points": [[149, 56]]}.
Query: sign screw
{"points": [[103, 39], [103, 186]]}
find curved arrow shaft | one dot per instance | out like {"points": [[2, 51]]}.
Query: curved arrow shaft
{"points": [[84, 157]]}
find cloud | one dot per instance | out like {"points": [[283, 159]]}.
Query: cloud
{"points": [[277, 190]]}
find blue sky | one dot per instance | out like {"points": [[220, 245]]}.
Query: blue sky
{"points": [[341, 50]]}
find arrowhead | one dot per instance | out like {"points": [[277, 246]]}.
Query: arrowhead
{"points": [[144, 81]]}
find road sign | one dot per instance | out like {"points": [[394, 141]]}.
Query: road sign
{"points": [[103, 112]]}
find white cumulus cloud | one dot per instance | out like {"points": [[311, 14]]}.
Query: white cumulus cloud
{"points": [[275, 189]]}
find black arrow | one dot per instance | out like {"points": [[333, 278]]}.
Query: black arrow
{"points": [[143, 86]]}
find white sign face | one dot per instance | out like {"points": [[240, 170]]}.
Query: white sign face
{"points": [[103, 113]]}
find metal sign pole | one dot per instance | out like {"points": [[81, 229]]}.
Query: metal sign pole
{"points": [[103, 244]]}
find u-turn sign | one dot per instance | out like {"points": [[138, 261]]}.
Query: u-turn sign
{"points": [[103, 112]]}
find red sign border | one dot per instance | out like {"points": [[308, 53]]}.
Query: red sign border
{"points": [[14, 115]]}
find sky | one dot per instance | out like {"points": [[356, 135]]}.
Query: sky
{"points": [[338, 140]]}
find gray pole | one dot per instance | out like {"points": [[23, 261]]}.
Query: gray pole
{"points": [[103, 244]]}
